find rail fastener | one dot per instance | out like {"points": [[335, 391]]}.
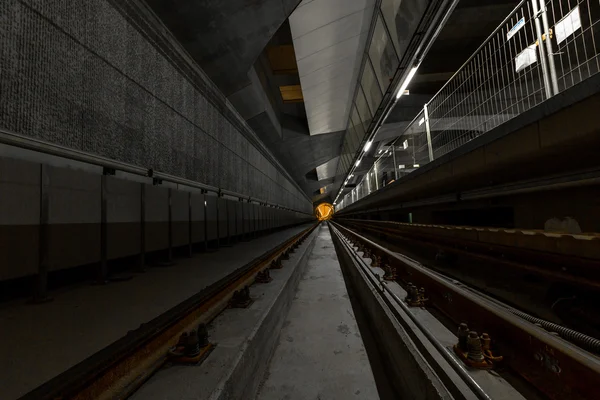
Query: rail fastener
{"points": [[263, 276], [241, 298]]}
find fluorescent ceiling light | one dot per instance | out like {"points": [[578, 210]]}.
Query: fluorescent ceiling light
{"points": [[411, 74], [368, 145], [401, 166], [405, 144], [422, 121], [416, 166], [357, 162]]}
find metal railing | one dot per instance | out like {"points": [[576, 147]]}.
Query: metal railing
{"points": [[540, 49], [44, 147]]}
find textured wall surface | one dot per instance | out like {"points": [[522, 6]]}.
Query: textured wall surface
{"points": [[79, 73]]}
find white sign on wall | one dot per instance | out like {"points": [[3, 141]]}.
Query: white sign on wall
{"points": [[526, 58], [566, 26], [513, 31]]}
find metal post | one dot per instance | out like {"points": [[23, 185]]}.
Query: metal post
{"points": [[205, 223], [218, 222], [142, 261], [190, 226], [170, 238], [540, 39], [243, 223], [552, 65], [228, 230], [394, 158], [102, 277], [254, 222], [41, 290], [429, 144]]}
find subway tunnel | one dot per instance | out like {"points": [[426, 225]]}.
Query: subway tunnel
{"points": [[299, 199]]}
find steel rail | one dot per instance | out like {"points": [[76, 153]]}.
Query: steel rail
{"points": [[458, 367], [580, 271], [94, 376], [554, 366], [582, 340]]}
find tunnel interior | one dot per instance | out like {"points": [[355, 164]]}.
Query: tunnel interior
{"points": [[324, 211]]}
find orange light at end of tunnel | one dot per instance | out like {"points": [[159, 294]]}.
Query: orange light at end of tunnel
{"points": [[324, 211]]}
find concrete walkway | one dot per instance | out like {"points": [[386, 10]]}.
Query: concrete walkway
{"points": [[320, 354], [37, 342]]}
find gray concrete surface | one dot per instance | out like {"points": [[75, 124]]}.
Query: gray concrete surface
{"points": [[244, 338], [421, 371], [37, 342], [320, 354], [493, 384], [137, 98], [409, 372], [225, 38]]}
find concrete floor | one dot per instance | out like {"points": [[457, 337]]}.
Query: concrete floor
{"points": [[37, 342], [243, 336], [320, 354]]}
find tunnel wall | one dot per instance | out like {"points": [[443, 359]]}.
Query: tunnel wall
{"points": [[135, 209], [105, 77]]}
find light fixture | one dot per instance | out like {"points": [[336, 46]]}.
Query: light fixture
{"points": [[357, 162], [405, 144], [416, 166], [368, 145], [411, 74], [204, 203], [401, 166], [421, 121]]}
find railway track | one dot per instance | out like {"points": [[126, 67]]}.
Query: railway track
{"points": [[552, 275], [119, 369], [551, 364], [572, 258]]}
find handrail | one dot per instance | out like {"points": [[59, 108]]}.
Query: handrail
{"points": [[500, 25], [507, 75], [42, 146]]}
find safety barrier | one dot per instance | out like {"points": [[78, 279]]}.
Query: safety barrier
{"points": [[539, 50]]}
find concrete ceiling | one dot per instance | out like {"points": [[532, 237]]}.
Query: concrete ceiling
{"points": [[229, 40], [327, 170], [329, 39], [301, 154], [283, 127], [225, 37], [468, 27]]}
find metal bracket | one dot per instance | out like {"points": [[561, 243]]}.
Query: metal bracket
{"points": [[108, 171]]}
